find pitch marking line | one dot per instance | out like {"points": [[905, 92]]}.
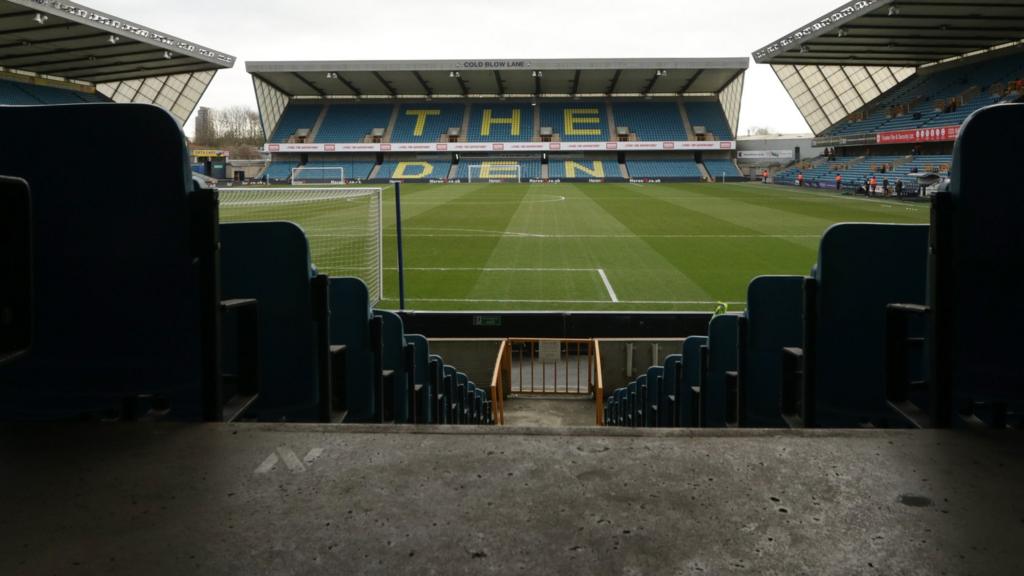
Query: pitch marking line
{"points": [[608, 286], [509, 301], [415, 269]]}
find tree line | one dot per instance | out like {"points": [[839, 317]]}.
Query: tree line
{"points": [[235, 129]]}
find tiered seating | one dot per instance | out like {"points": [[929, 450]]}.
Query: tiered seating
{"points": [[391, 375], [354, 169], [711, 116], [347, 123], [498, 169], [676, 168], [296, 116], [22, 94], [280, 171], [414, 169], [716, 168], [576, 121], [582, 168], [808, 351], [926, 90], [426, 122], [651, 121], [500, 122]]}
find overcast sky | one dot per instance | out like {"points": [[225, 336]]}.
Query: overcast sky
{"points": [[484, 29]]}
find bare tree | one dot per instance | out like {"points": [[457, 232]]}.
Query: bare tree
{"points": [[233, 127]]}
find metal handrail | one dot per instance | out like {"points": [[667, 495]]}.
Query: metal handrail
{"points": [[599, 386], [497, 389]]}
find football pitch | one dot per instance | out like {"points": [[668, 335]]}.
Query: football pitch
{"points": [[608, 247]]}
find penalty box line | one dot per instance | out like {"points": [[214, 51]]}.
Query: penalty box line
{"points": [[600, 272]]}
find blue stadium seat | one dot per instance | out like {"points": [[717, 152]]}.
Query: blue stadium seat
{"points": [[28, 94], [500, 122], [270, 261], [350, 326], [351, 123], [671, 388], [977, 272], [687, 408], [424, 407], [394, 359], [861, 269], [711, 116], [280, 171], [653, 396], [295, 117], [718, 168], [576, 121], [426, 122], [651, 121], [664, 168], [774, 321], [721, 358], [118, 285]]}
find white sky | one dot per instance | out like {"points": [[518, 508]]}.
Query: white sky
{"points": [[484, 29]]}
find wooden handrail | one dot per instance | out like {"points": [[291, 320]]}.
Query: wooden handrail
{"points": [[497, 390], [599, 386]]}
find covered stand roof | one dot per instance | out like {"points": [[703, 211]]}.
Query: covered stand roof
{"points": [[123, 60], [277, 83], [843, 60]]}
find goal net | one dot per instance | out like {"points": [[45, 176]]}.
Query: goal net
{"points": [[343, 225], [317, 175], [495, 172]]}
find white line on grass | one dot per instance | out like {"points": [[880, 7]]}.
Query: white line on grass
{"points": [[626, 302], [608, 286], [422, 269]]}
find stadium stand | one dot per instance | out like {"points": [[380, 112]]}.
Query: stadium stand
{"points": [[916, 102], [427, 122], [718, 168], [655, 168], [711, 116], [651, 121], [25, 94], [499, 122], [352, 123], [297, 116], [280, 171], [354, 169], [576, 121], [499, 169], [414, 169], [563, 168]]}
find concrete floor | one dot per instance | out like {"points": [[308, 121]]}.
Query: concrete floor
{"points": [[550, 411], [294, 499]]}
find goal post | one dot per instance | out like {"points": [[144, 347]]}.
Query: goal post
{"points": [[343, 225], [496, 171], [302, 175]]}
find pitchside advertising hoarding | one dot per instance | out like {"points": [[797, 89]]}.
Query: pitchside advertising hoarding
{"points": [[507, 147], [944, 134]]}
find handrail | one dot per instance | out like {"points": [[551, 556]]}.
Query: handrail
{"points": [[599, 387], [497, 389]]}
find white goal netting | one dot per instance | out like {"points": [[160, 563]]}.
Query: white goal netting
{"points": [[343, 225]]}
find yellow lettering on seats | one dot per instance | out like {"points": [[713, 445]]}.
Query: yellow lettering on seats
{"points": [[402, 170], [596, 169], [497, 169], [577, 116], [421, 119], [489, 120]]}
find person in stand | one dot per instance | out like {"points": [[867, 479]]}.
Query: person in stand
{"points": [[899, 188], [764, 176], [800, 179], [872, 184], [839, 182], [885, 186]]}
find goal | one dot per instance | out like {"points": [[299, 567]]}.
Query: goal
{"points": [[302, 175], [496, 172], [343, 225]]}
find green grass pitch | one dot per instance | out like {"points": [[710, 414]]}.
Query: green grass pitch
{"points": [[609, 247]]}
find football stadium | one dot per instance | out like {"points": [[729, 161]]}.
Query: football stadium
{"points": [[548, 315]]}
